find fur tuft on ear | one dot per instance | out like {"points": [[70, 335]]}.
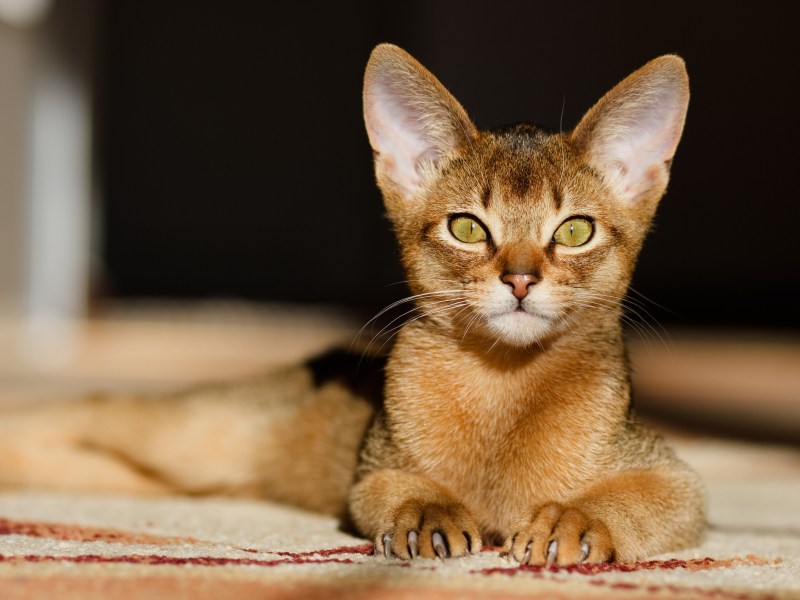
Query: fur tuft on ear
{"points": [[631, 134], [412, 120]]}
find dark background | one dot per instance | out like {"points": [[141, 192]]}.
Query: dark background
{"points": [[234, 162]]}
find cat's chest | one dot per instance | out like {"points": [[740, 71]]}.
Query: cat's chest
{"points": [[500, 448]]}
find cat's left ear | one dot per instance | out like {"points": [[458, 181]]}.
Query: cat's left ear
{"points": [[631, 134], [412, 121]]}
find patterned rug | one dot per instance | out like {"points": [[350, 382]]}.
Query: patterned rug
{"points": [[86, 547]]}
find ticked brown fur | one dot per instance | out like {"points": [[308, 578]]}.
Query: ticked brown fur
{"points": [[505, 414]]}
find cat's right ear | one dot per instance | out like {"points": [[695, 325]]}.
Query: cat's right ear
{"points": [[631, 134], [412, 121]]}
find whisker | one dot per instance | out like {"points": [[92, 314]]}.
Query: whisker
{"points": [[392, 332], [408, 312], [653, 302], [427, 280], [387, 329], [634, 306], [473, 319], [398, 303], [643, 327], [496, 341], [561, 141]]}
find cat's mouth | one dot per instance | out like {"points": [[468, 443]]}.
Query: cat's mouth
{"points": [[521, 310], [520, 326], [522, 313]]}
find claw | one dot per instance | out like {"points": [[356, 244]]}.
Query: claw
{"points": [[438, 545], [413, 544], [387, 545], [552, 552], [526, 559], [584, 552], [508, 548]]}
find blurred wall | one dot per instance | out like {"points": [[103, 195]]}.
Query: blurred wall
{"points": [[46, 169], [235, 162], [16, 59]]}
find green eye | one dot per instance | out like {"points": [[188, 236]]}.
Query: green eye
{"points": [[574, 232], [468, 230]]}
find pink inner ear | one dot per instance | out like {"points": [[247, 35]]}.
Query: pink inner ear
{"points": [[641, 140], [412, 120], [396, 132], [632, 133]]}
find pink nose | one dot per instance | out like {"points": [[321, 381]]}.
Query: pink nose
{"points": [[519, 283]]}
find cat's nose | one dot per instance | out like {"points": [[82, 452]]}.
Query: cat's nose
{"points": [[520, 282]]}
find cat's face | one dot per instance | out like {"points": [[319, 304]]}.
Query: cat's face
{"points": [[515, 240], [515, 236]]}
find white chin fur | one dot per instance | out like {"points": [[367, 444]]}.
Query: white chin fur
{"points": [[519, 328]]}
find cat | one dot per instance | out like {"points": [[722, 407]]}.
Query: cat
{"points": [[502, 414]]}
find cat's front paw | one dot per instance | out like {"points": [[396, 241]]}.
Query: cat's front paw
{"points": [[560, 535], [430, 531]]}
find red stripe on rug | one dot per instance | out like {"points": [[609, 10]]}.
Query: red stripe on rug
{"points": [[698, 564], [365, 549], [666, 565], [158, 559], [82, 533]]}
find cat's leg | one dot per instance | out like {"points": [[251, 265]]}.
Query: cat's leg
{"points": [[46, 447], [124, 443], [625, 517], [277, 436], [408, 516]]}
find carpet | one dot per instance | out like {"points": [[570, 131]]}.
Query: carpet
{"points": [[86, 547]]}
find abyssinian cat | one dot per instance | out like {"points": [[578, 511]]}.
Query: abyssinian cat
{"points": [[502, 414]]}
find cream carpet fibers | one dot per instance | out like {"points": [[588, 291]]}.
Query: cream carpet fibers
{"points": [[83, 547]]}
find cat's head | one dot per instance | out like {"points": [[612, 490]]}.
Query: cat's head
{"points": [[516, 235]]}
